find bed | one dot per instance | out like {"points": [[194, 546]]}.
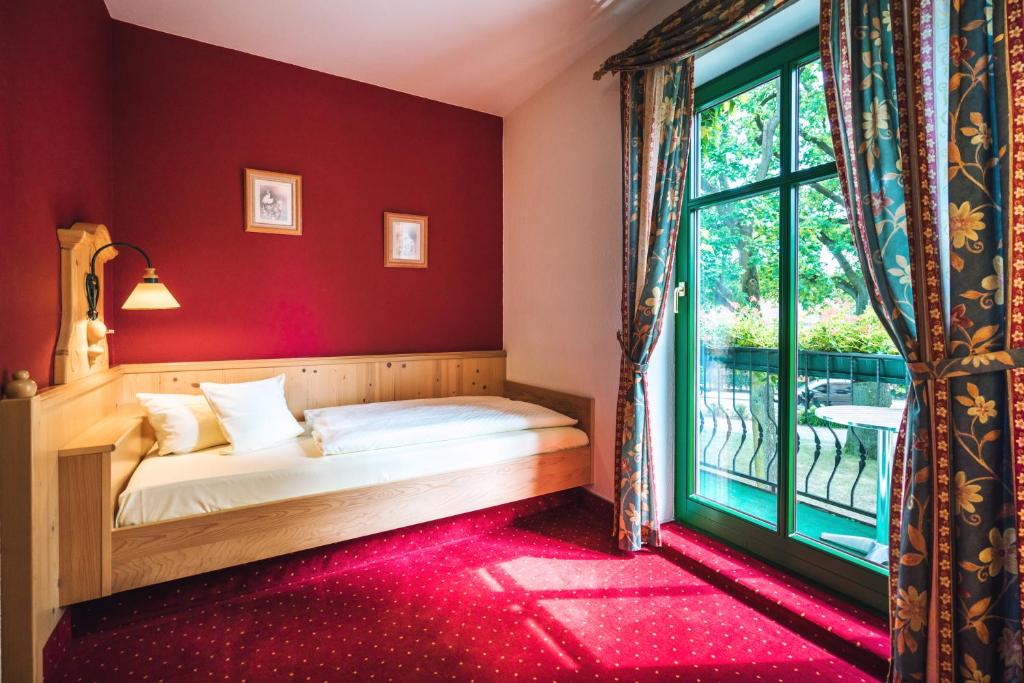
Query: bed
{"points": [[69, 454], [163, 488], [129, 519]]}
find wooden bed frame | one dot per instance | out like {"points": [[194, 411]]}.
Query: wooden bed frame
{"points": [[66, 454]]}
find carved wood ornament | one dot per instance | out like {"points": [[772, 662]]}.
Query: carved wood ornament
{"points": [[82, 344]]}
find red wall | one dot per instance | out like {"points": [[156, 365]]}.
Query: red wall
{"points": [[189, 117], [55, 160]]}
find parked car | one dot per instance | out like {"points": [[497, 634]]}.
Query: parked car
{"points": [[825, 392]]}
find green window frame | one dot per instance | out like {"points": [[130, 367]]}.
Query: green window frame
{"points": [[852, 577]]}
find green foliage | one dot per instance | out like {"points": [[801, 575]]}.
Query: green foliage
{"points": [[721, 328], [823, 329], [752, 332], [815, 137], [808, 418], [739, 139], [847, 334], [739, 252], [740, 239]]}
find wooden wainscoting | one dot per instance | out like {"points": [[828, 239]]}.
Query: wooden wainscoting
{"points": [[333, 381], [32, 430]]}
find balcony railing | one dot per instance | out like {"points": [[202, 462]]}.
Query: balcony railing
{"points": [[737, 423]]}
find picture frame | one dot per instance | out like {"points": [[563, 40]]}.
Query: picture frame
{"points": [[273, 202], [405, 240]]}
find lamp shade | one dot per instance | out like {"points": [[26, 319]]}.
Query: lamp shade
{"points": [[150, 295]]}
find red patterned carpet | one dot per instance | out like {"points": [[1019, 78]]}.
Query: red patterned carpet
{"points": [[491, 596]]}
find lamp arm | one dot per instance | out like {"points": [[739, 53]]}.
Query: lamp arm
{"points": [[92, 282]]}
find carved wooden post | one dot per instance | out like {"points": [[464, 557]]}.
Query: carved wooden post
{"points": [[82, 343]]}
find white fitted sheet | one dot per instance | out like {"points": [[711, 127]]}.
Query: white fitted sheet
{"points": [[171, 486]]}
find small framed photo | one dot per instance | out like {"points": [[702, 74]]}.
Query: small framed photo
{"points": [[405, 241], [273, 202]]}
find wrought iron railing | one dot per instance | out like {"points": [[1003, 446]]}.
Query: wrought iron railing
{"points": [[737, 423]]}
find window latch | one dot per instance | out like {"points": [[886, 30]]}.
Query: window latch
{"points": [[679, 293]]}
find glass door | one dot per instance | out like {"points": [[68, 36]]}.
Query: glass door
{"points": [[737, 373], [851, 388], [787, 384]]}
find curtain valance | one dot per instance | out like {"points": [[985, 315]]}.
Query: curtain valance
{"points": [[697, 25]]}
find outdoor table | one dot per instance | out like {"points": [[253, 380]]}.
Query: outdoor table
{"points": [[886, 421]]}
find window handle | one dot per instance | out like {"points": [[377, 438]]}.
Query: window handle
{"points": [[679, 293]]}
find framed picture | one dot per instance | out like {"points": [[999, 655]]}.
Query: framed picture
{"points": [[273, 202], [405, 241]]}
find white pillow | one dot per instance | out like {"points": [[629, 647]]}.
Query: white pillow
{"points": [[183, 422], [252, 415]]}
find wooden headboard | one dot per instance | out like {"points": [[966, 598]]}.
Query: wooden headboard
{"points": [[333, 381]]}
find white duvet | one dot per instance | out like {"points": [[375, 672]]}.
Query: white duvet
{"points": [[392, 424], [167, 487]]}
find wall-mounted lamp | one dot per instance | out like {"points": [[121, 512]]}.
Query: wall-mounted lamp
{"points": [[148, 295]]}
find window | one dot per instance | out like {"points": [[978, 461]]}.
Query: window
{"points": [[787, 383]]}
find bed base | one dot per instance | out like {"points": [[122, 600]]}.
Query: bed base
{"points": [[66, 454], [152, 553]]}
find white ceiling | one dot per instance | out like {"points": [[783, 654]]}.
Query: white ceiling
{"points": [[488, 55], [787, 23]]}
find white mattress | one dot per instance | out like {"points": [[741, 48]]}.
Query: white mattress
{"points": [[171, 486], [390, 424]]}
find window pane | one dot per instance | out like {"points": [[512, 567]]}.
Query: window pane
{"points": [[737, 388], [851, 387], [739, 140], [815, 131]]}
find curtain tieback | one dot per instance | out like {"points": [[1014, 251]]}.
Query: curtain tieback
{"points": [[638, 368], [975, 364]]}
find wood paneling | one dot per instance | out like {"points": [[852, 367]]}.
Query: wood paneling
{"points": [[336, 385], [151, 553], [32, 432], [451, 377], [483, 376], [342, 380], [579, 407], [403, 380], [93, 470], [186, 381], [85, 526], [134, 443], [19, 551]]}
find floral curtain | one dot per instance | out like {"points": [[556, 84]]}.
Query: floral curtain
{"points": [[925, 118], [657, 101], [656, 131]]}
